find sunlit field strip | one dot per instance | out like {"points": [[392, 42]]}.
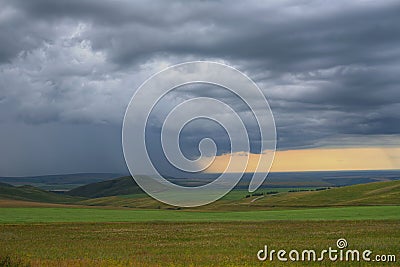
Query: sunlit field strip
{"points": [[36, 215]]}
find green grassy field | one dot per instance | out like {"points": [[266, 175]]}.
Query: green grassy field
{"points": [[39, 215], [136, 230], [189, 244]]}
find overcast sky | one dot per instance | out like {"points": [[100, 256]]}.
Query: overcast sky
{"points": [[330, 71]]}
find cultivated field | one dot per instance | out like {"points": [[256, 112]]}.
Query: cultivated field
{"points": [[189, 244]]}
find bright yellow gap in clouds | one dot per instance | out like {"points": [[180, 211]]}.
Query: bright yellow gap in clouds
{"points": [[321, 159]]}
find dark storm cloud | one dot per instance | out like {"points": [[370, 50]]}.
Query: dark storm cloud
{"points": [[329, 69], [297, 36]]}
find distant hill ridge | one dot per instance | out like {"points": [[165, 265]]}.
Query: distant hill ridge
{"points": [[120, 186], [124, 192], [74, 178], [30, 193]]}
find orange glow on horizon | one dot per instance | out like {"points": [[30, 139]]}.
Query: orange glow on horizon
{"points": [[317, 159]]}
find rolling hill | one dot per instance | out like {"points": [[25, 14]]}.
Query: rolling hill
{"points": [[30, 193], [59, 181], [120, 186], [124, 192], [378, 193]]}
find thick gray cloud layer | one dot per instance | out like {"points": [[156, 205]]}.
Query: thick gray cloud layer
{"points": [[329, 69]]}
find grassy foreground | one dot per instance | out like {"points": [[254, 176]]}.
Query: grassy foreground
{"points": [[189, 244], [39, 215]]}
